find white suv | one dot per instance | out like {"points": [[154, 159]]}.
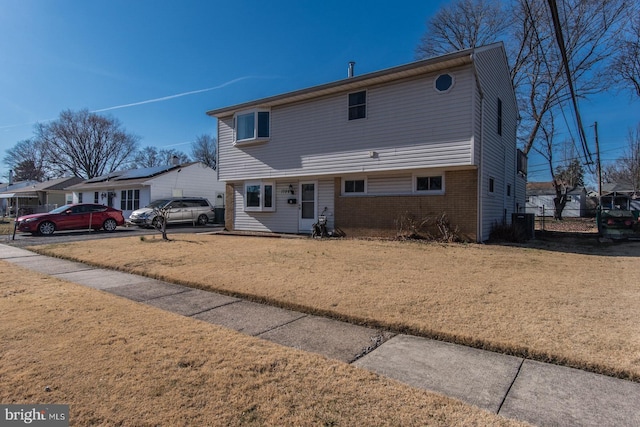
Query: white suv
{"points": [[195, 210]]}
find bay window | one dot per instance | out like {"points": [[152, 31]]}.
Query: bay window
{"points": [[252, 126]]}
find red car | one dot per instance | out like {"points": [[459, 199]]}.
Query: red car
{"points": [[72, 217]]}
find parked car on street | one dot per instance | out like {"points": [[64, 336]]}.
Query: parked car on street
{"points": [[72, 217], [195, 210]]}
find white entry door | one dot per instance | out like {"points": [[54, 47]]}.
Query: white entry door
{"points": [[308, 200]]}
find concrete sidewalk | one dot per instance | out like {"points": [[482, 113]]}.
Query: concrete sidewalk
{"points": [[539, 393]]}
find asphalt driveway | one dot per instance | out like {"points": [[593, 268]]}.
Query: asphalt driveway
{"points": [[27, 239]]}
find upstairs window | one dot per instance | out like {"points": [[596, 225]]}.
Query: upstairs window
{"points": [[522, 163], [357, 105], [252, 126]]}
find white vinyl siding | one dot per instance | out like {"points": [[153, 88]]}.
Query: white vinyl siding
{"points": [[194, 180], [285, 217], [387, 185], [410, 129], [409, 125], [498, 151]]}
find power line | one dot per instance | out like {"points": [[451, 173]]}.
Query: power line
{"points": [[560, 39]]}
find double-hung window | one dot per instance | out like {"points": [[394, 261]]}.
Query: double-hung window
{"points": [[252, 125], [259, 196], [358, 105], [429, 184]]}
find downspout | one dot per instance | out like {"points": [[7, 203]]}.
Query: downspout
{"points": [[480, 236]]}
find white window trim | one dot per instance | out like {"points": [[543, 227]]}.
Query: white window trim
{"points": [[260, 208], [453, 83], [255, 138], [356, 178], [414, 182], [366, 105]]}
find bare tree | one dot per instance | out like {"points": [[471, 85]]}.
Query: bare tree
{"points": [[149, 157], [160, 220], [625, 67], [590, 31], [27, 160], [565, 177], [85, 143], [463, 24], [205, 149], [626, 169]]}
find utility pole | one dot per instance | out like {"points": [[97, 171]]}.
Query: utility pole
{"points": [[598, 165]]}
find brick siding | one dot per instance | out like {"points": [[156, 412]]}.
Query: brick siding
{"points": [[229, 214], [362, 216]]}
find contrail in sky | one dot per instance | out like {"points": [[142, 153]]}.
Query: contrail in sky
{"points": [[148, 101], [165, 98]]}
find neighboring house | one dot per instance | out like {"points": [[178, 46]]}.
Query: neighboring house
{"points": [[540, 196], [430, 137], [620, 195], [38, 197], [135, 188], [6, 193]]}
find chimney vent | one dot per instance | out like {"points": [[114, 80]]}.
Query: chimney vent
{"points": [[351, 65]]}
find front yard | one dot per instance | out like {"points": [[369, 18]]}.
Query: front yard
{"points": [[575, 304], [119, 363]]}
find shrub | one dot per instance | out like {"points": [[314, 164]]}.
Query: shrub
{"points": [[430, 227]]}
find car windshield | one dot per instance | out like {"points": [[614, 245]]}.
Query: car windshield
{"points": [[157, 204], [60, 209]]}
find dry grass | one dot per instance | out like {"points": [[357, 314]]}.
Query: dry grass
{"points": [[116, 362], [6, 226], [569, 308]]}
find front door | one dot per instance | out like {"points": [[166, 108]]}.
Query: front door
{"points": [[307, 206]]}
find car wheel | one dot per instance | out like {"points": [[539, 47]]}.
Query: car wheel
{"points": [[157, 222], [203, 220], [46, 228], [110, 225]]}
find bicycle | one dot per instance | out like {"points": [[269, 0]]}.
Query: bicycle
{"points": [[319, 229]]}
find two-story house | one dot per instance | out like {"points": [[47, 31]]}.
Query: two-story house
{"points": [[429, 137]]}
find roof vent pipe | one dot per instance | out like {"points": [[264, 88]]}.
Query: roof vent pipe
{"points": [[351, 65]]}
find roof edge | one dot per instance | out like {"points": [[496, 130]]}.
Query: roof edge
{"points": [[461, 57]]}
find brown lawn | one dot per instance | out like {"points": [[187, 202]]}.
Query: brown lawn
{"points": [[575, 304], [116, 362]]}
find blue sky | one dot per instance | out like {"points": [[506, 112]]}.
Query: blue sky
{"points": [[158, 66]]}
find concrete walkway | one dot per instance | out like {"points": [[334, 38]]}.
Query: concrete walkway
{"points": [[539, 393]]}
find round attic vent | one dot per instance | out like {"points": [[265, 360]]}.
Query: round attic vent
{"points": [[443, 83]]}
